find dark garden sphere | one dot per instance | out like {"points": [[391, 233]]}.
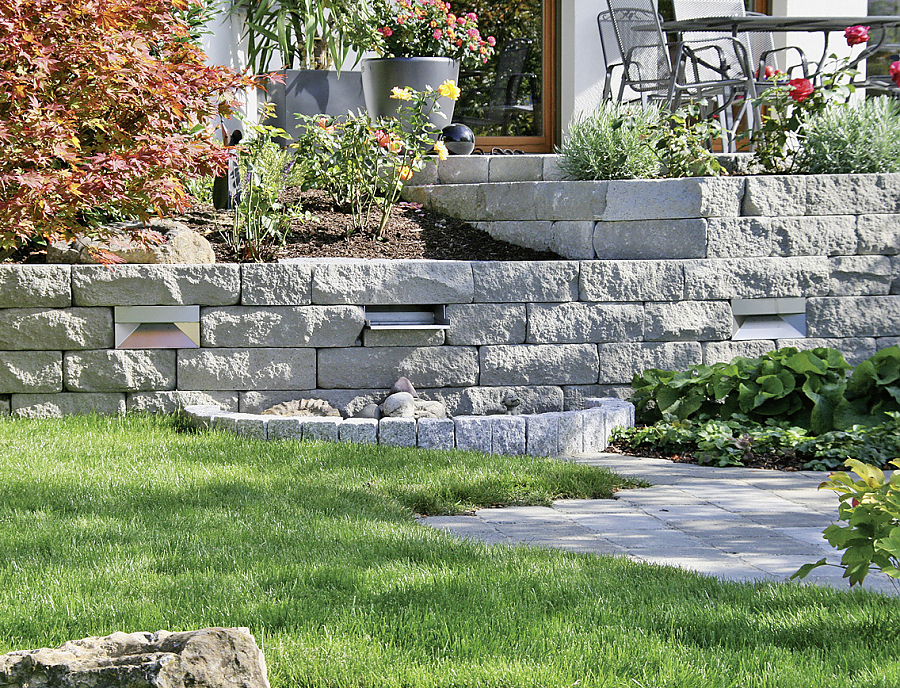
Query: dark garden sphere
{"points": [[458, 138]]}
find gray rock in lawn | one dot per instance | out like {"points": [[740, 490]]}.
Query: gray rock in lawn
{"points": [[208, 658]]}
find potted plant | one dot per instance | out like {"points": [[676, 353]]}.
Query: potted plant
{"points": [[309, 40], [422, 44]]}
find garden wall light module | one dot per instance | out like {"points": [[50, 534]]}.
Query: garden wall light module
{"points": [[779, 318], [407, 317], [157, 327]]}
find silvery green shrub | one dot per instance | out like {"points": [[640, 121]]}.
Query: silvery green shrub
{"points": [[614, 142], [860, 138]]}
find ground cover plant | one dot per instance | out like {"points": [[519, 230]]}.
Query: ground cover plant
{"points": [[126, 524]]}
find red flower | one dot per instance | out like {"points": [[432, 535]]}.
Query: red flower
{"points": [[801, 89], [856, 34], [895, 72], [386, 31]]}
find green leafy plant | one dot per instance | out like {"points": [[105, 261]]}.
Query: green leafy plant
{"points": [[870, 507], [364, 163], [103, 107], [872, 444], [861, 138], [616, 141], [262, 219], [682, 143], [800, 387], [872, 392]]}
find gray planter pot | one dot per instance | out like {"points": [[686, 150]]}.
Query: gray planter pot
{"points": [[381, 75], [314, 92]]}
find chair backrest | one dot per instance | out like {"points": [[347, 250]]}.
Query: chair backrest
{"points": [[692, 9], [510, 66], [608, 43], [645, 53]]}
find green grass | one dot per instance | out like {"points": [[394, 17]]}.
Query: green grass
{"points": [[126, 524]]}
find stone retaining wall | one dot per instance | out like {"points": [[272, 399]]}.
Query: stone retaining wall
{"points": [[567, 433], [551, 332]]}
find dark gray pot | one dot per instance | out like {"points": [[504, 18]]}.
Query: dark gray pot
{"points": [[380, 75], [314, 92]]}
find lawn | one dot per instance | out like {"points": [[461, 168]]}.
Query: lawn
{"points": [[127, 524]]}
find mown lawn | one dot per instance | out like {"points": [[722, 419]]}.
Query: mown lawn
{"points": [[128, 524]]}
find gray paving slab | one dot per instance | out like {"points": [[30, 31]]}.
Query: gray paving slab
{"points": [[733, 523]]}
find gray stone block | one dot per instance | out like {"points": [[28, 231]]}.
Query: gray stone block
{"points": [[576, 396], [570, 200], [241, 369], [35, 286], [895, 270], [853, 194], [199, 416], [573, 239], [538, 281], [631, 280], [285, 428], [775, 195], [688, 321], [252, 427], [393, 282], [30, 372], [737, 237], [595, 430], [513, 201], [464, 201], [539, 364], [23, 329], [480, 401], [436, 433], [620, 361], [320, 429], [125, 370], [885, 342], [403, 337], [585, 322], [515, 168], [358, 431], [277, 284], [664, 199], [508, 435], [860, 275], [552, 173], [855, 349], [486, 323], [751, 278], [619, 413], [814, 236], [853, 316], [174, 401], [444, 366], [281, 326], [397, 432], [428, 174], [542, 435], [878, 234], [650, 239], [163, 285], [724, 352], [463, 169], [66, 404], [473, 433], [570, 440], [533, 234]]}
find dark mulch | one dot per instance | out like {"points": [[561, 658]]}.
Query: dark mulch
{"points": [[412, 232], [777, 462]]}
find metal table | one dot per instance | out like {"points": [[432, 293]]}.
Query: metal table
{"points": [[764, 24]]}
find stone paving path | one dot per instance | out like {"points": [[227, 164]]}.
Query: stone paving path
{"points": [[738, 524]]}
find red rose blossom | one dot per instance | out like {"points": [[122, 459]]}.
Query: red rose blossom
{"points": [[895, 72], [856, 35], [801, 89]]}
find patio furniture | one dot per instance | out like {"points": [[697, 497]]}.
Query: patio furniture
{"points": [[497, 101], [698, 72], [611, 56]]}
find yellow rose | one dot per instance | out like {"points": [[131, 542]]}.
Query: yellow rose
{"points": [[401, 93], [441, 150], [449, 90]]}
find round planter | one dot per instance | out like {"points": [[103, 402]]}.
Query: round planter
{"points": [[380, 75], [313, 92]]}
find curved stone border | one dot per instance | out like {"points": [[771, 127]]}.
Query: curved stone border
{"points": [[562, 433]]}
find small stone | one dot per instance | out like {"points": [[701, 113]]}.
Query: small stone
{"points": [[399, 405], [181, 245], [369, 411], [429, 409], [302, 407], [404, 385]]}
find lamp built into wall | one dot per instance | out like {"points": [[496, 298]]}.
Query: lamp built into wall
{"points": [[157, 327], [407, 317], [779, 318]]}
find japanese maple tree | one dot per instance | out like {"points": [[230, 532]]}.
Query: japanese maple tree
{"points": [[103, 105]]}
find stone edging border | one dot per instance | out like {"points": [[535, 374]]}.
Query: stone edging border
{"points": [[559, 433]]}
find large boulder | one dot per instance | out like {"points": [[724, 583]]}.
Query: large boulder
{"points": [[181, 245], [208, 658]]}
